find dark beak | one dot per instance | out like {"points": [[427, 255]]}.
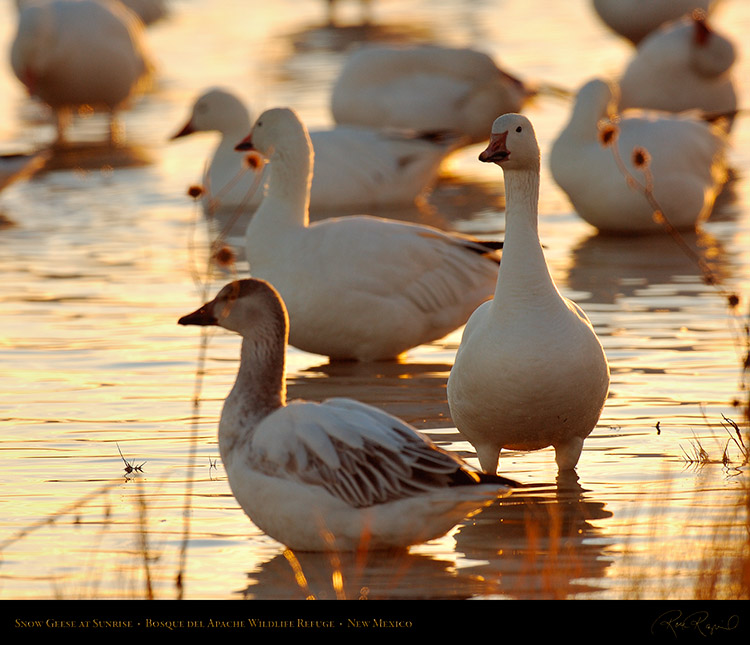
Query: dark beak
{"points": [[246, 143], [188, 129], [496, 151], [203, 316]]}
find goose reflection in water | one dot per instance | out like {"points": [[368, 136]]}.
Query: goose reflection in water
{"points": [[384, 575], [413, 391], [612, 268], [539, 544]]}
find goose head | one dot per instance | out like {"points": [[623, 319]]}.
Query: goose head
{"points": [[513, 144], [597, 99], [216, 110], [278, 130], [250, 307], [711, 54]]}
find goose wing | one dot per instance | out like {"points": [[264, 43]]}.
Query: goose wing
{"points": [[430, 268], [357, 453]]}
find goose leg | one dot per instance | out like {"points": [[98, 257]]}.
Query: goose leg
{"points": [[488, 458], [115, 130], [63, 118], [568, 453]]}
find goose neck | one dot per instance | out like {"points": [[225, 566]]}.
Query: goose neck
{"points": [[260, 385], [523, 270], [288, 186], [522, 195], [591, 107], [235, 126], [259, 388]]}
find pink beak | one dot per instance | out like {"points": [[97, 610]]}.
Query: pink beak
{"points": [[496, 151]]}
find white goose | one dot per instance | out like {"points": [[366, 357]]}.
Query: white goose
{"points": [[425, 88], [686, 165], [357, 287], [149, 11], [355, 168], [530, 372], [338, 475], [684, 65], [636, 19], [72, 53]]}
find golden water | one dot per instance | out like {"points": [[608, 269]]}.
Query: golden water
{"points": [[102, 258]]}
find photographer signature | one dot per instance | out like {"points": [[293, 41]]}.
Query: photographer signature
{"points": [[676, 622]]}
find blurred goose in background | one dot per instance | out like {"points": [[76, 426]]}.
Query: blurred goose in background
{"points": [[425, 88], [355, 168], [684, 65], [149, 11], [333, 476], [530, 371], [74, 54], [682, 158], [17, 166], [636, 19], [356, 287]]}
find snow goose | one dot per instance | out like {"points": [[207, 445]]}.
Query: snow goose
{"points": [[425, 88], [355, 167], [149, 11], [80, 53], [530, 371], [684, 65], [338, 475], [682, 161], [636, 19], [356, 287]]}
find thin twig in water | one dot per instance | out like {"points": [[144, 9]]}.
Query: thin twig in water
{"points": [[130, 468], [700, 456], [219, 254], [641, 160], [608, 137]]}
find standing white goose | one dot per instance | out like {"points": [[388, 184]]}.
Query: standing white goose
{"points": [[355, 167], [73, 53], [684, 65], [530, 371], [636, 19], [425, 88], [685, 161], [356, 287], [338, 475]]}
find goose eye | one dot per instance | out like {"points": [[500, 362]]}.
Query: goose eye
{"points": [[519, 129]]}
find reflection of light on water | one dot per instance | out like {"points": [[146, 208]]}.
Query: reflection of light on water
{"points": [[704, 529]]}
